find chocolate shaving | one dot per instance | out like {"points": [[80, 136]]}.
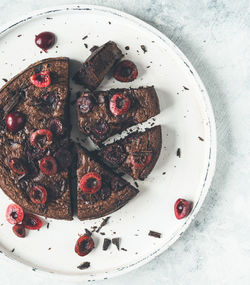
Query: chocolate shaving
{"points": [[102, 233], [124, 249], [85, 45], [106, 244], [144, 48], [201, 139], [178, 153], [116, 241], [84, 38], [104, 223], [89, 233], [84, 265], [47, 225], [154, 234], [5, 80], [185, 87]]}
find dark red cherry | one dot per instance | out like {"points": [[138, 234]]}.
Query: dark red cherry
{"points": [[91, 182], [101, 128], [85, 103], [48, 165], [32, 222], [41, 79], [45, 40], [56, 126], [119, 104], [41, 139], [18, 166], [15, 121], [84, 245], [64, 158], [114, 154], [182, 208], [19, 230], [125, 71], [38, 195], [140, 159], [14, 214]]}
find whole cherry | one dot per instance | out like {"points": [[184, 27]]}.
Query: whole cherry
{"points": [[182, 208], [15, 121]]}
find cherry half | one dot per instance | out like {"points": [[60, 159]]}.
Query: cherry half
{"points": [[91, 182], [125, 71], [119, 104], [32, 222], [182, 208], [84, 245], [14, 214], [18, 166], [19, 230], [45, 40], [140, 159], [85, 103], [48, 165], [41, 79], [38, 195], [41, 138], [15, 121]]}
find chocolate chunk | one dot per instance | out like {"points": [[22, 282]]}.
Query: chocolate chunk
{"points": [[201, 139], [84, 38], [178, 153], [104, 223], [4, 79], [84, 265], [154, 234], [185, 87], [126, 47], [116, 242], [106, 244], [144, 48]]}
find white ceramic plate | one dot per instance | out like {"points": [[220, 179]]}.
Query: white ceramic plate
{"points": [[186, 115]]}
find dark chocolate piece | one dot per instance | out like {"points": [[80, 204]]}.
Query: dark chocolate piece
{"points": [[97, 65], [116, 242], [106, 244], [84, 265], [154, 234], [104, 223]]}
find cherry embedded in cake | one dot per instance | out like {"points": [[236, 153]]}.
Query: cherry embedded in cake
{"points": [[136, 155], [102, 114], [34, 139], [99, 191]]}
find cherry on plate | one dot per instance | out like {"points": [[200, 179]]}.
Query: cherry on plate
{"points": [[32, 222], [48, 165], [84, 245], [14, 214], [15, 121], [182, 208], [41, 79], [45, 40], [19, 230], [119, 104], [125, 71], [91, 182], [38, 195]]}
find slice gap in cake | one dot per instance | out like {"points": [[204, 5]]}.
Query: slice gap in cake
{"points": [[135, 155], [35, 152], [99, 190], [102, 114]]}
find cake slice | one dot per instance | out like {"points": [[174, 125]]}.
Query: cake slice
{"points": [[136, 155], [99, 191], [34, 139], [102, 114], [97, 65]]}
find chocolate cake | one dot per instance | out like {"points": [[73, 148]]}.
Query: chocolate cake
{"points": [[97, 65], [34, 129], [102, 114], [136, 155], [99, 190]]}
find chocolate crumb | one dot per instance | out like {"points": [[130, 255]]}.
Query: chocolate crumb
{"points": [[136, 184], [106, 244], [86, 45], [154, 234], [19, 35], [116, 241], [109, 23], [126, 47], [163, 173], [84, 265], [124, 249], [104, 222], [88, 232], [178, 153], [13, 250], [49, 18], [102, 233], [47, 225], [49, 248], [201, 139], [85, 37], [4, 79], [185, 87], [144, 48]]}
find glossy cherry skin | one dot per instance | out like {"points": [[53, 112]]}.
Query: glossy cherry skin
{"points": [[119, 104], [15, 121], [48, 165], [45, 40], [38, 195]]}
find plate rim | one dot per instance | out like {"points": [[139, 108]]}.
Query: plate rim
{"points": [[211, 164]]}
